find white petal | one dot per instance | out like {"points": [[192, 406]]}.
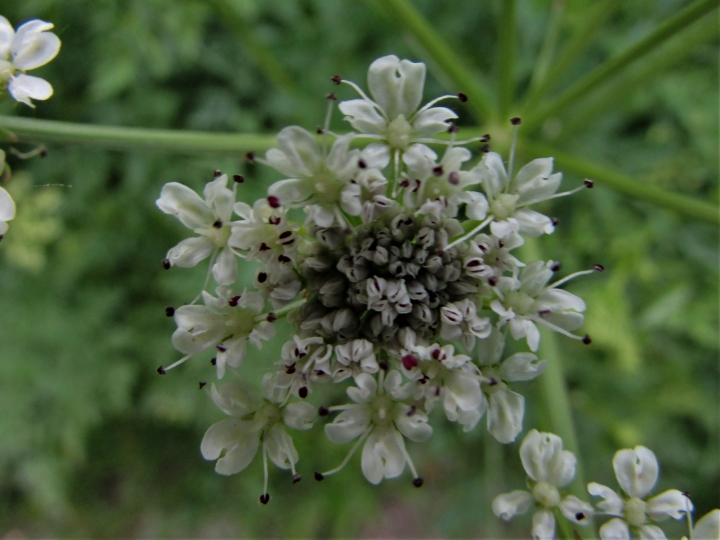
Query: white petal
{"points": [[543, 525], [615, 529], [363, 116], [415, 426], [225, 268], [560, 300], [219, 198], [290, 191], [576, 510], [186, 205], [348, 425], [382, 455], [366, 388], [419, 158], [190, 251], [669, 503], [465, 389], [26, 87], [301, 150], [37, 50], [236, 398], [280, 448], [508, 505], [6, 37], [299, 415], [237, 437], [533, 224], [505, 416], [541, 167], [7, 205], [494, 178], [396, 86], [501, 229], [545, 460], [708, 527], [636, 470], [612, 503], [376, 155], [432, 121], [521, 367], [652, 532]]}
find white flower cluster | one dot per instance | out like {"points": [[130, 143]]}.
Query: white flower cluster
{"points": [[402, 279], [549, 468]]}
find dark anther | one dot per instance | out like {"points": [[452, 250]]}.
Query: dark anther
{"points": [[438, 170], [452, 128], [323, 411], [262, 277], [492, 281], [599, 267], [233, 302], [271, 317], [43, 152], [263, 247], [284, 259], [273, 201], [417, 482], [515, 121], [169, 311], [473, 263], [213, 361], [250, 156], [544, 312], [274, 220], [589, 183], [405, 183], [239, 178], [221, 348], [384, 365], [409, 361], [579, 516], [362, 164], [554, 221], [331, 96], [319, 130], [290, 369], [201, 385], [319, 477], [557, 265], [336, 79], [436, 354], [411, 411], [493, 382], [454, 178], [166, 264], [485, 138], [296, 478], [161, 371], [485, 148], [586, 340], [217, 173], [264, 498], [687, 494], [217, 224], [462, 96], [284, 235], [303, 392], [1, 236], [440, 252]]}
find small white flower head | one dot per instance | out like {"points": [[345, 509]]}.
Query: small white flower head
{"points": [[637, 473], [366, 196], [7, 209], [210, 218], [255, 420], [227, 323], [29, 47], [392, 116], [305, 361], [525, 302], [380, 419], [460, 321], [353, 358], [548, 467], [489, 256], [505, 408], [264, 232]]}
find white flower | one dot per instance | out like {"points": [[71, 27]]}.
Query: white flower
{"points": [[380, 418], [637, 472], [353, 358], [233, 442], [30, 47], [304, 362], [460, 321], [263, 231], [210, 218], [489, 256], [393, 116], [226, 322], [509, 197], [549, 468], [7, 209], [529, 300], [365, 196], [506, 408]]}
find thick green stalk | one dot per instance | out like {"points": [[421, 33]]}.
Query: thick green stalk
{"points": [[682, 204], [506, 59], [453, 66], [127, 138], [547, 50], [571, 50], [613, 66]]}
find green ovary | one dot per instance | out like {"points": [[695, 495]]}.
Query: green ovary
{"points": [[504, 206], [398, 133], [519, 301]]}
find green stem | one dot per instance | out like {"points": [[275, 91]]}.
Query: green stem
{"points": [[452, 65], [571, 50], [676, 202], [506, 58], [126, 138], [545, 56], [611, 67]]}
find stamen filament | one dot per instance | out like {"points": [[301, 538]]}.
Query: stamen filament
{"points": [[326, 124], [571, 276], [512, 151], [364, 96], [555, 196], [409, 461], [178, 362], [265, 467], [350, 453], [207, 276], [431, 103], [555, 328], [471, 233]]}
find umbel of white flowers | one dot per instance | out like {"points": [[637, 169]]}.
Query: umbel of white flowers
{"points": [[401, 284]]}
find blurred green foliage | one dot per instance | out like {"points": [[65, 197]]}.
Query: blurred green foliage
{"points": [[94, 443]]}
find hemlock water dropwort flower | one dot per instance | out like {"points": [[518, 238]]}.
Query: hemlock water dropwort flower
{"points": [[29, 47], [549, 468], [400, 281]]}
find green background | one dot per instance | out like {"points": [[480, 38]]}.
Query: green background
{"points": [[93, 443]]}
